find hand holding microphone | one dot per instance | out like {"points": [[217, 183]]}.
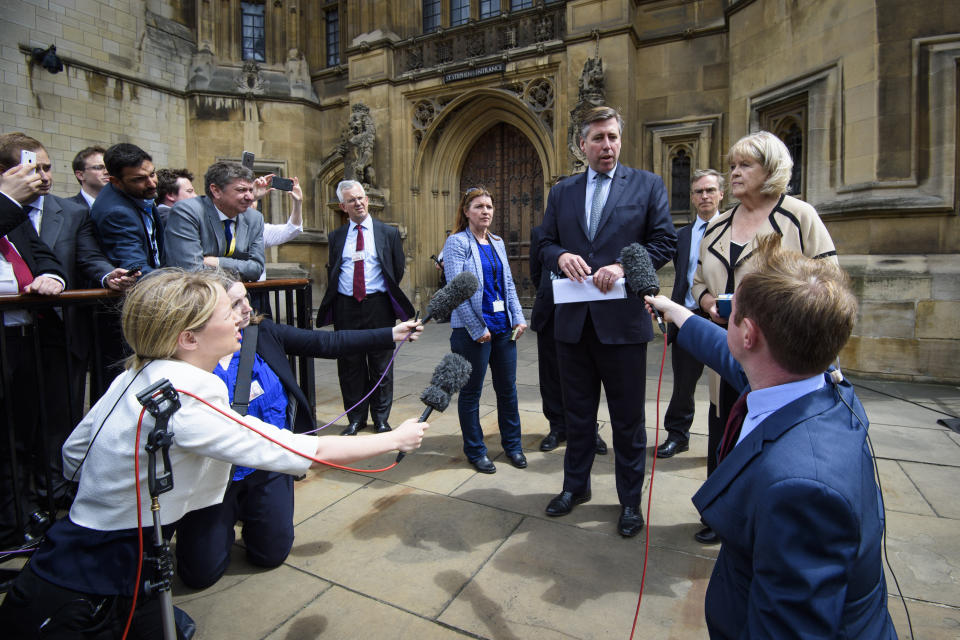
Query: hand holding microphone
{"points": [[641, 276], [448, 378], [409, 435]]}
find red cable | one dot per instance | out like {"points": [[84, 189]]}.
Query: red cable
{"points": [[653, 468]]}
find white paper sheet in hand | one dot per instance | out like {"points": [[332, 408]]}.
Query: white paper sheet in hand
{"points": [[568, 290]]}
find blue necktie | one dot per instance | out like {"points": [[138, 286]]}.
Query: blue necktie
{"points": [[596, 205]]}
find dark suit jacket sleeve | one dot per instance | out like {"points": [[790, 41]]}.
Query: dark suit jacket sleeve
{"points": [[707, 342], [38, 256], [331, 344], [806, 538], [396, 255], [90, 260], [121, 230], [536, 267], [549, 247], [12, 215], [660, 238]]}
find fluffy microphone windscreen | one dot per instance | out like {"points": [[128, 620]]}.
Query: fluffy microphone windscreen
{"points": [[451, 373], [435, 398], [638, 270], [450, 297]]}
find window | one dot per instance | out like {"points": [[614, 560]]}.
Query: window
{"points": [[680, 182], [787, 119], [333, 37], [431, 15], [459, 12], [516, 5], [253, 41], [489, 8]]}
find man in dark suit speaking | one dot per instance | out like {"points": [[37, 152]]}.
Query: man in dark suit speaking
{"points": [[365, 267], [588, 220]]}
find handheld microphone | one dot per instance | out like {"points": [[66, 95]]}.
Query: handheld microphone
{"points": [[448, 298], [640, 275], [449, 376]]}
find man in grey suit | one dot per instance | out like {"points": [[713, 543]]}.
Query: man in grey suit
{"points": [[91, 173], [219, 229]]}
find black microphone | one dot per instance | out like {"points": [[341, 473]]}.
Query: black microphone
{"points": [[445, 300], [449, 376], [640, 275]]}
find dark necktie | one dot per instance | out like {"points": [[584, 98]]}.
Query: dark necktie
{"points": [[228, 233], [359, 280], [731, 432], [20, 269]]}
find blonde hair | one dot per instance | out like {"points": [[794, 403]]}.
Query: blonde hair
{"points": [[770, 153], [163, 305]]}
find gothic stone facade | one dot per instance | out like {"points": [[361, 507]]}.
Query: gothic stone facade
{"points": [[865, 91]]}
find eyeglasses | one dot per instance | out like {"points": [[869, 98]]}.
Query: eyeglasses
{"points": [[709, 191], [95, 167]]}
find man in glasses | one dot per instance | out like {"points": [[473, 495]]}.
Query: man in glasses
{"points": [[706, 193], [91, 173]]}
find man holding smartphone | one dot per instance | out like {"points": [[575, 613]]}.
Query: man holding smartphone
{"points": [[221, 228]]}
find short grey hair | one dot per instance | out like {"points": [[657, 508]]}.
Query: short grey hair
{"points": [[346, 185], [703, 173], [224, 173], [599, 114]]}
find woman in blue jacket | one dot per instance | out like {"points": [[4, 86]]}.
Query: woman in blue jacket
{"points": [[485, 328]]}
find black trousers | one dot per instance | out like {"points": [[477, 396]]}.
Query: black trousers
{"points": [[621, 369], [359, 372], [551, 392], [686, 374], [33, 604]]}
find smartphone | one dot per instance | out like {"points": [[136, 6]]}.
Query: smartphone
{"points": [[281, 184], [132, 270], [724, 303], [247, 160], [29, 158]]}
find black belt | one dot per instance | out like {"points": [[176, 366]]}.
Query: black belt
{"points": [[375, 294]]}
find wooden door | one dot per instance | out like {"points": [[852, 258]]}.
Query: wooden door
{"points": [[504, 162]]}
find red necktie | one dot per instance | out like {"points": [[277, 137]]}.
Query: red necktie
{"points": [[731, 432], [20, 269], [359, 281]]}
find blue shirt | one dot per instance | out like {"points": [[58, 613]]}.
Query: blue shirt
{"points": [[696, 237], [270, 406], [492, 289], [762, 402]]}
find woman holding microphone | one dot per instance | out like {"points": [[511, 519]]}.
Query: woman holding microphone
{"points": [[83, 578], [485, 328]]}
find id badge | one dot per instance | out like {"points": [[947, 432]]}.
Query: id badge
{"points": [[499, 306], [255, 390], [359, 256]]}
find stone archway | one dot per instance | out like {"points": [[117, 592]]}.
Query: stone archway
{"points": [[443, 156]]}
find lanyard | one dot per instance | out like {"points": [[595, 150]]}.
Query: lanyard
{"points": [[492, 257]]}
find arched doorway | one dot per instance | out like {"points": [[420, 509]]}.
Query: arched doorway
{"points": [[505, 162]]}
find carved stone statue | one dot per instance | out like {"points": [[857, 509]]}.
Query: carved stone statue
{"points": [[592, 94], [357, 146]]}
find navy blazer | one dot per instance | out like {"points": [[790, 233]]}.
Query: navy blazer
{"points": [[798, 511], [122, 232], [80, 200], [636, 211], [392, 265], [276, 341], [680, 283]]}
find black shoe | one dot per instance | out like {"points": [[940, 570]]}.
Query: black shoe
{"points": [[563, 504], [353, 428], [381, 427], [518, 460], [631, 521], [707, 536], [551, 441], [601, 446], [671, 447], [483, 465]]}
